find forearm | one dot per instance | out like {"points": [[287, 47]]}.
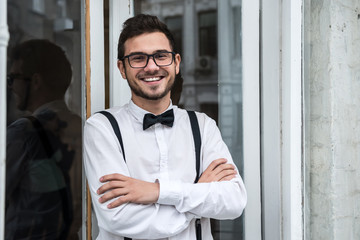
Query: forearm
{"points": [[142, 221], [219, 200]]}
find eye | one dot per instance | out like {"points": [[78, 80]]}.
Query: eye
{"points": [[161, 56], [138, 58]]}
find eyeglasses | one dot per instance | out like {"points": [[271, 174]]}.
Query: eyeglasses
{"points": [[140, 60], [12, 76]]}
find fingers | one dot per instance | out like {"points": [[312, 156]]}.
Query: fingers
{"points": [[228, 178], [218, 170], [214, 164], [113, 194], [111, 182], [227, 175], [111, 177], [119, 201], [223, 167]]}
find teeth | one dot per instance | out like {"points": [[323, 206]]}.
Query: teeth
{"points": [[152, 79]]}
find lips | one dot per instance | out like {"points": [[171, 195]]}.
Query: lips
{"points": [[151, 79]]}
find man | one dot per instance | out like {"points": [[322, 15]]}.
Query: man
{"points": [[152, 195], [43, 158]]}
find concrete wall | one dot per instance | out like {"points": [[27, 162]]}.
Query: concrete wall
{"points": [[332, 119]]}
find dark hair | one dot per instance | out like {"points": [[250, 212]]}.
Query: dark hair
{"points": [[140, 24], [47, 59]]}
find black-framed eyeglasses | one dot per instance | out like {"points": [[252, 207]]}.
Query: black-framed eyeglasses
{"points": [[12, 76], [141, 60]]}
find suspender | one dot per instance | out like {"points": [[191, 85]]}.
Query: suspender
{"points": [[197, 141], [115, 126]]}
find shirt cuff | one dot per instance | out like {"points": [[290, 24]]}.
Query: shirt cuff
{"points": [[170, 192]]}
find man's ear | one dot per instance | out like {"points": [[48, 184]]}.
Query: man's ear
{"points": [[177, 63], [121, 67]]}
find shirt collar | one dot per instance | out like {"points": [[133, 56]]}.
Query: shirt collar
{"points": [[138, 113]]}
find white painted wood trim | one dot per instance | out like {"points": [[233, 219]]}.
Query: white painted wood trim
{"points": [[83, 114], [251, 117], [119, 89], [270, 119], [97, 79], [292, 170], [4, 38]]}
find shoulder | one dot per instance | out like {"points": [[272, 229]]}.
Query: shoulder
{"points": [[21, 124], [21, 129], [98, 117]]}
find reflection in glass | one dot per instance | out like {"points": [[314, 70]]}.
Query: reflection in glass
{"points": [[208, 36], [43, 158]]}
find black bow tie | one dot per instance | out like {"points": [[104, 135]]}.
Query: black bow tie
{"points": [[167, 118]]}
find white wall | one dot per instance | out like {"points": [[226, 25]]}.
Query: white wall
{"points": [[332, 111]]}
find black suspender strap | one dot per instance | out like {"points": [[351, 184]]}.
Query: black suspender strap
{"points": [[197, 141], [116, 128]]}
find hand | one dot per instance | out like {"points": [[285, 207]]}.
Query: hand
{"points": [[218, 171], [127, 189]]}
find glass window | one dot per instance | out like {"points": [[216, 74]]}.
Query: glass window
{"points": [[175, 24], [44, 127], [208, 33], [211, 71]]}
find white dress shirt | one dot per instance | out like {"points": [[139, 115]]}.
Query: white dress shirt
{"points": [[166, 154]]}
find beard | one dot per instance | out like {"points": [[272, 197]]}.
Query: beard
{"points": [[138, 91]]}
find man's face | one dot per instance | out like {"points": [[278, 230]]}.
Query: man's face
{"points": [[20, 86], [151, 82]]}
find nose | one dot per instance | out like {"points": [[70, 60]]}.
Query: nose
{"points": [[151, 66]]}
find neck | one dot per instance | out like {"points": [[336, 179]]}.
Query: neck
{"points": [[154, 106]]}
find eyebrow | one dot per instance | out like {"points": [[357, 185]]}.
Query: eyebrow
{"points": [[157, 51]]}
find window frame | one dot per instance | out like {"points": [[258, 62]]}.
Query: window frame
{"points": [[120, 94], [251, 98], [4, 38]]}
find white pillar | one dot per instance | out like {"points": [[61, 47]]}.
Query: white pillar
{"points": [[97, 79], [251, 117], [119, 89], [292, 120], [270, 119], [4, 38]]}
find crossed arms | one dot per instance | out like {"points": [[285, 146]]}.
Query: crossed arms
{"points": [[130, 190]]}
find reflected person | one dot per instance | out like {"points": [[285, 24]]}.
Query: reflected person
{"points": [[43, 159]]}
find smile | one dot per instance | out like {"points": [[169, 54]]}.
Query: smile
{"points": [[151, 79]]}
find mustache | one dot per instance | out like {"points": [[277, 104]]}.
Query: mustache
{"points": [[160, 72]]}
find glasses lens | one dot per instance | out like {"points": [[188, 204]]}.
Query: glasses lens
{"points": [[163, 59], [138, 60]]}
